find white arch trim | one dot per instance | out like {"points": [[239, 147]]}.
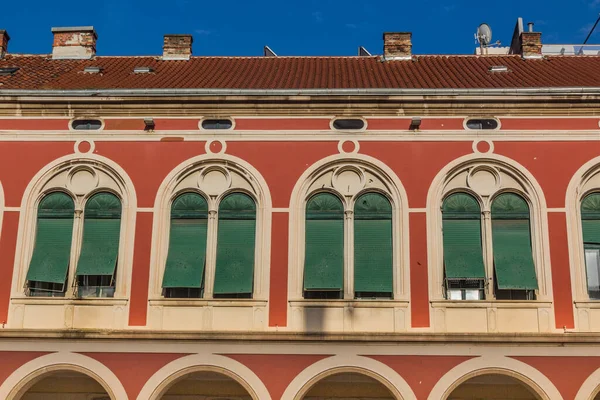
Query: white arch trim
{"points": [[170, 373], [62, 361], [351, 363], [590, 387], [530, 376]]}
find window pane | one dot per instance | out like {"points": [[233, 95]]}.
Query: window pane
{"points": [[236, 238], [217, 124], [592, 263], [324, 244], [488, 123], [373, 254], [87, 124], [349, 124], [52, 247]]}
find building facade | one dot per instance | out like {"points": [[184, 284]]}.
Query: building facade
{"points": [[376, 227]]}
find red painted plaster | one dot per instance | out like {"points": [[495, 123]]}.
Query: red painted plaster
{"points": [[12, 360], [276, 371], [8, 243], [416, 163], [148, 163], [419, 290], [289, 124], [138, 303], [124, 124], [160, 124], [282, 163], [134, 369], [569, 124], [566, 373], [35, 124], [421, 372], [403, 124], [278, 294], [561, 275]]}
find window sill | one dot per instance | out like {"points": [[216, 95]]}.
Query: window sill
{"points": [[491, 304], [162, 302], [103, 301], [341, 303], [588, 304]]}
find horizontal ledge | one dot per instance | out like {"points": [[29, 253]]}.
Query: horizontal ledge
{"points": [[41, 301], [350, 303], [467, 304], [300, 92], [588, 304], [557, 339], [207, 302]]}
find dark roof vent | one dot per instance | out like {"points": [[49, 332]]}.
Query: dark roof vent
{"points": [[143, 70], [4, 71]]}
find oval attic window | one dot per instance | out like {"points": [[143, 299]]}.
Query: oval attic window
{"points": [[217, 124], [86, 124], [350, 124], [487, 123]]}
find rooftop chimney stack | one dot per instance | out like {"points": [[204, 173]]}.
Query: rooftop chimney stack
{"points": [[78, 43], [4, 38], [177, 47], [531, 44], [397, 45]]}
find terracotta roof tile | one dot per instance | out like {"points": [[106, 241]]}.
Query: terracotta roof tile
{"points": [[427, 72]]}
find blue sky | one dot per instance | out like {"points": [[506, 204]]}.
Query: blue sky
{"points": [[309, 27]]}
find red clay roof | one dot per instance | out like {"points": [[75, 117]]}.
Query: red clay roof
{"points": [[423, 72]]}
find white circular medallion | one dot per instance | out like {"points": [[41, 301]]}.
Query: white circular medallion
{"points": [[82, 180], [348, 180], [214, 181]]}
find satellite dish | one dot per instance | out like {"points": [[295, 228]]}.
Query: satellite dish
{"points": [[484, 34]]}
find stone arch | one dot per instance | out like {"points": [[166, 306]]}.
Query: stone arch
{"points": [[531, 377], [167, 376], [31, 372], [321, 177], [590, 387], [385, 375], [240, 176], [510, 176]]}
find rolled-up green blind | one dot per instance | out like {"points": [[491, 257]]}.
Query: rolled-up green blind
{"points": [[54, 234], [236, 238], [324, 243], [511, 236], [373, 254], [590, 216], [187, 242], [463, 253], [101, 233]]}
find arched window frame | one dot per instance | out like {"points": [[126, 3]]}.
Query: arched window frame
{"points": [[511, 178], [187, 177], [318, 179], [99, 175]]}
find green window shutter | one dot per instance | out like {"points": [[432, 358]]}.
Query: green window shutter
{"points": [[236, 240], [324, 243], [54, 234], [373, 254], [463, 253], [590, 216], [187, 242], [511, 237], [101, 234]]}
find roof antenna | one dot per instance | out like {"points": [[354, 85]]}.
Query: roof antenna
{"points": [[592, 31], [267, 52], [362, 52]]}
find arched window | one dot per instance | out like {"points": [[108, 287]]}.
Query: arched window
{"points": [[514, 269], [236, 238], [590, 221], [373, 247], [324, 248], [49, 265], [464, 271], [184, 271], [97, 263]]}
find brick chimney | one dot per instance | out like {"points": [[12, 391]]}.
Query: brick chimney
{"points": [[397, 45], [4, 38], [531, 44], [177, 47], [74, 42]]}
